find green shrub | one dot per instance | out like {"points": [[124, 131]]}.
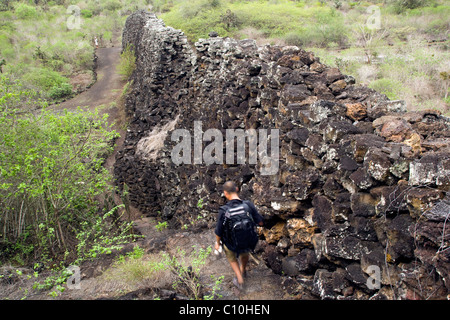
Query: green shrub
{"points": [[83, 59], [24, 11], [400, 6], [107, 36], [438, 27], [48, 81], [86, 13], [6, 47], [4, 5], [294, 39], [447, 100], [161, 226], [51, 177], [390, 87], [410, 4], [56, 64], [186, 268], [7, 22], [329, 28], [113, 5], [190, 9], [127, 63], [328, 31], [58, 92]]}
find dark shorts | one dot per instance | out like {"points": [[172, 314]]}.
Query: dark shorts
{"points": [[232, 256]]}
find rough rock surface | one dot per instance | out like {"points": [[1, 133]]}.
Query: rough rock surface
{"points": [[361, 184]]}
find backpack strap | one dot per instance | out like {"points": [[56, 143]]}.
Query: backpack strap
{"points": [[246, 206], [240, 209]]}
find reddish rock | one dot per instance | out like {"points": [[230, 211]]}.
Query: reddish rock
{"points": [[356, 111], [396, 130]]}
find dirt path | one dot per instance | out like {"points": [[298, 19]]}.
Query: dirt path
{"points": [[108, 87], [105, 95], [103, 279], [260, 284]]}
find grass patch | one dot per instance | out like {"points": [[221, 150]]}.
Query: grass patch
{"points": [[390, 87], [127, 63], [37, 37], [180, 271], [53, 83], [275, 19], [137, 269]]}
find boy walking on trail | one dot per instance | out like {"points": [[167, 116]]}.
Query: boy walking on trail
{"points": [[235, 229]]}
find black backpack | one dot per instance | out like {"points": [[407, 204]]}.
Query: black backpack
{"points": [[239, 228]]}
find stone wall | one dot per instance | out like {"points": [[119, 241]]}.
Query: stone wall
{"points": [[362, 184]]}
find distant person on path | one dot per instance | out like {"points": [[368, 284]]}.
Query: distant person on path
{"points": [[235, 231], [96, 42]]}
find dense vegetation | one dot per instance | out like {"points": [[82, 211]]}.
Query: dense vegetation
{"points": [[55, 194], [49, 45], [52, 180]]}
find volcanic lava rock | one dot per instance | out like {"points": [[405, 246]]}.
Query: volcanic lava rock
{"points": [[359, 184]]}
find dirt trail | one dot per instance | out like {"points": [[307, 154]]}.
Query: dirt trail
{"points": [[106, 89], [260, 284], [97, 282], [104, 95]]}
